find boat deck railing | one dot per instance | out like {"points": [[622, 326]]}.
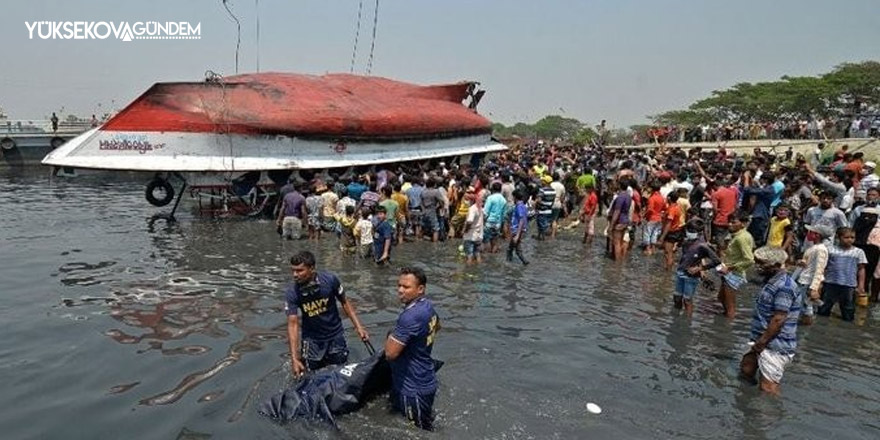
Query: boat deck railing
{"points": [[41, 126]]}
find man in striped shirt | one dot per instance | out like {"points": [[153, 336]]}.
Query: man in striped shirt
{"points": [[774, 323], [844, 273], [546, 197]]}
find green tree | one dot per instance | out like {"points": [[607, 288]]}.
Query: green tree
{"points": [[681, 117], [555, 126], [856, 84], [585, 136], [849, 88]]}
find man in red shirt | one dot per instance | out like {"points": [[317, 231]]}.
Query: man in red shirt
{"points": [[654, 218], [856, 165], [635, 215], [588, 214], [673, 231], [724, 204]]}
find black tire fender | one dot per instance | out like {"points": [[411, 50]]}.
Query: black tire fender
{"points": [[159, 182]]}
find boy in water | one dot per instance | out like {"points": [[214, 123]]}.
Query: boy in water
{"points": [[811, 269], [844, 273], [384, 235], [473, 227], [347, 221], [315, 208], [691, 267], [654, 218], [588, 214], [518, 227], [673, 232], [781, 229], [737, 260], [363, 230]]}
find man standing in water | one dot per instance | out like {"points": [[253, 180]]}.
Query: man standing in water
{"points": [[519, 224], [619, 220], [292, 214], [313, 295], [774, 323], [495, 207], [737, 260], [408, 349], [691, 267]]}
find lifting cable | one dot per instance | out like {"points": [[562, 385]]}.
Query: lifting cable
{"points": [[357, 33], [238, 27], [373, 42], [257, 8]]}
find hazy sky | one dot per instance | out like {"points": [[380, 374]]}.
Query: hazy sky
{"points": [[619, 60]]}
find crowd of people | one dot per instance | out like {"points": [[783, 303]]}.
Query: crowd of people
{"points": [[813, 128], [808, 225]]}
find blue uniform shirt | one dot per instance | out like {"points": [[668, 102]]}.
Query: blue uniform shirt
{"points": [[382, 232], [316, 304], [412, 372]]}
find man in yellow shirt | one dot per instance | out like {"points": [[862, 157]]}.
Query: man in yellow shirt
{"points": [[402, 210]]}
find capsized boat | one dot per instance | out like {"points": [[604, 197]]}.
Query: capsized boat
{"points": [[257, 127], [283, 121]]}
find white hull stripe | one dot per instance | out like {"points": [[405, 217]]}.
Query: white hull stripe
{"points": [[218, 152]]}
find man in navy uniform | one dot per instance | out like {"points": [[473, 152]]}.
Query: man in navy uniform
{"points": [[408, 349], [312, 304]]}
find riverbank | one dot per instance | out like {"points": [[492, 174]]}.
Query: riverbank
{"points": [[870, 146]]}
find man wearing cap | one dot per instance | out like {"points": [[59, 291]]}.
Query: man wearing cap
{"points": [[811, 269], [546, 197], [870, 180], [773, 337]]}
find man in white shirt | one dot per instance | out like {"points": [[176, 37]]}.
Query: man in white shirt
{"points": [[869, 181], [558, 203], [816, 160], [473, 227]]}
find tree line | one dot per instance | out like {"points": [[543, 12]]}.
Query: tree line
{"points": [[850, 89]]}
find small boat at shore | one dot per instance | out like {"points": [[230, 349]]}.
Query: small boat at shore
{"points": [[27, 141], [260, 128]]}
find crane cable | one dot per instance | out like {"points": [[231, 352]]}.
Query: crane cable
{"points": [[257, 8], [373, 42], [357, 34], [238, 38]]}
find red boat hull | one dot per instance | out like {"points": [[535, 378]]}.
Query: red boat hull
{"points": [[335, 106]]}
